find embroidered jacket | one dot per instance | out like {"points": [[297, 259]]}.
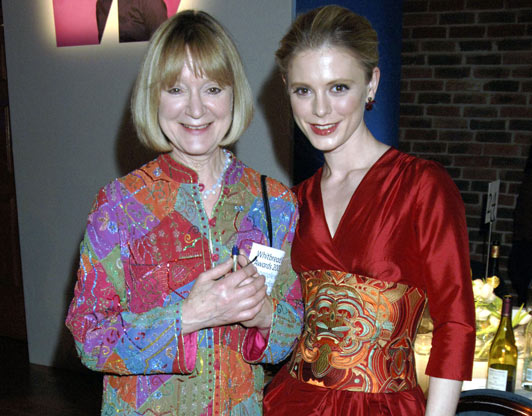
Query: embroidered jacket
{"points": [[147, 239]]}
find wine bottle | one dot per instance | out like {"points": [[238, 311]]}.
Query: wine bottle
{"points": [[502, 361], [527, 365], [494, 277], [493, 269]]}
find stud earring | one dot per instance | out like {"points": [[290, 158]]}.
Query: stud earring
{"points": [[369, 104]]}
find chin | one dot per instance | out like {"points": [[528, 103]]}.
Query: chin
{"points": [[324, 144], [199, 149]]}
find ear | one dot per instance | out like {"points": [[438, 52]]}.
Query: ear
{"points": [[373, 83], [284, 77]]}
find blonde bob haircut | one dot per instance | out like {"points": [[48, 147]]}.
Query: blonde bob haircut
{"points": [[196, 39], [330, 26]]}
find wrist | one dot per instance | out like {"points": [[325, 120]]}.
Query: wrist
{"points": [[266, 321], [187, 326]]}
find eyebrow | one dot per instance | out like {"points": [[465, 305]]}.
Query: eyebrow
{"points": [[341, 81], [329, 84]]}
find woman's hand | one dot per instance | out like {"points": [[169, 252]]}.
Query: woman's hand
{"points": [[263, 320], [221, 297]]}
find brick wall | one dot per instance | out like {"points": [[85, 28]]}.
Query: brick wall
{"points": [[466, 101]]}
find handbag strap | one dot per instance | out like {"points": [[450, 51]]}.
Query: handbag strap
{"points": [[267, 208]]}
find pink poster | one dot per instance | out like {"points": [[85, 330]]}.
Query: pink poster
{"points": [[82, 22], [172, 6], [75, 22]]}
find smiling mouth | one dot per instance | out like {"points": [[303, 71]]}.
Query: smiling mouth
{"points": [[191, 127], [324, 129]]}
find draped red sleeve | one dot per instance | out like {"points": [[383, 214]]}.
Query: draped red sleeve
{"points": [[444, 249]]}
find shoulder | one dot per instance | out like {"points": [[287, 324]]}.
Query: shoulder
{"points": [[433, 175], [118, 189], [419, 171], [276, 189], [431, 184], [426, 180], [305, 188], [411, 163]]}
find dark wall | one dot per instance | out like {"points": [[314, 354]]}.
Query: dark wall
{"points": [[466, 96]]}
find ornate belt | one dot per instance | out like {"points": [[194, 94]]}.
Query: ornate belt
{"points": [[359, 333]]}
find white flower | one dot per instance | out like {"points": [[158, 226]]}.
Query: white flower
{"points": [[494, 321], [482, 314], [491, 297], [483, 291], [486, 293], [477, 287], [478, 282]]}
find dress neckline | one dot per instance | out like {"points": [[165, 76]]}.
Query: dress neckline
{"points": [[379, 161]]}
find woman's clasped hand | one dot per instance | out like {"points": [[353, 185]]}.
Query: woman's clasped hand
{"points": [[222, 297]]}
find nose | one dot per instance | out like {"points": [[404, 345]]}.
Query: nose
{"points": [[321, 105], [195, 107]]}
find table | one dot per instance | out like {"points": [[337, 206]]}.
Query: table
{"points": [[480, 373]]}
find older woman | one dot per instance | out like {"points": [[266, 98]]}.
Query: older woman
{"points": [[380, 232], [158, 305]]}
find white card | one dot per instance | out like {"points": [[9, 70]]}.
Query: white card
{"points": [[492, 200], [268, 262]]}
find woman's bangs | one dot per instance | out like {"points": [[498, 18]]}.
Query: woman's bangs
{"points": [[171, 64], [207, 61]]}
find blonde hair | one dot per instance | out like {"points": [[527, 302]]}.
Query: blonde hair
{"points": [[196, 38], [332, 26]]}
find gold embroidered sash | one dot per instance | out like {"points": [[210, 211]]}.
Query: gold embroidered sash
{"points": [[359, 333]]}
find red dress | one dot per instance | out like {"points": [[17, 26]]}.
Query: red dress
{"points": [[402, 238]]}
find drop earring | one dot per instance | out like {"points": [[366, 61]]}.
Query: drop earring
{"points": [[369, 104]]}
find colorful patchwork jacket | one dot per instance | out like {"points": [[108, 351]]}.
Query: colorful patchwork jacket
{"points": [[147, 239]]}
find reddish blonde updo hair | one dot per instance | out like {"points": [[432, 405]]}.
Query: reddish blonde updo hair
{"points": [[330, 26]]}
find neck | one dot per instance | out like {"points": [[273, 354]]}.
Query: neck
{"points": [[357, 155], [208, 167]]}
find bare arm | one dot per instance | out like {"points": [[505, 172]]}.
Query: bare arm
{"points": [[443, 396]]}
